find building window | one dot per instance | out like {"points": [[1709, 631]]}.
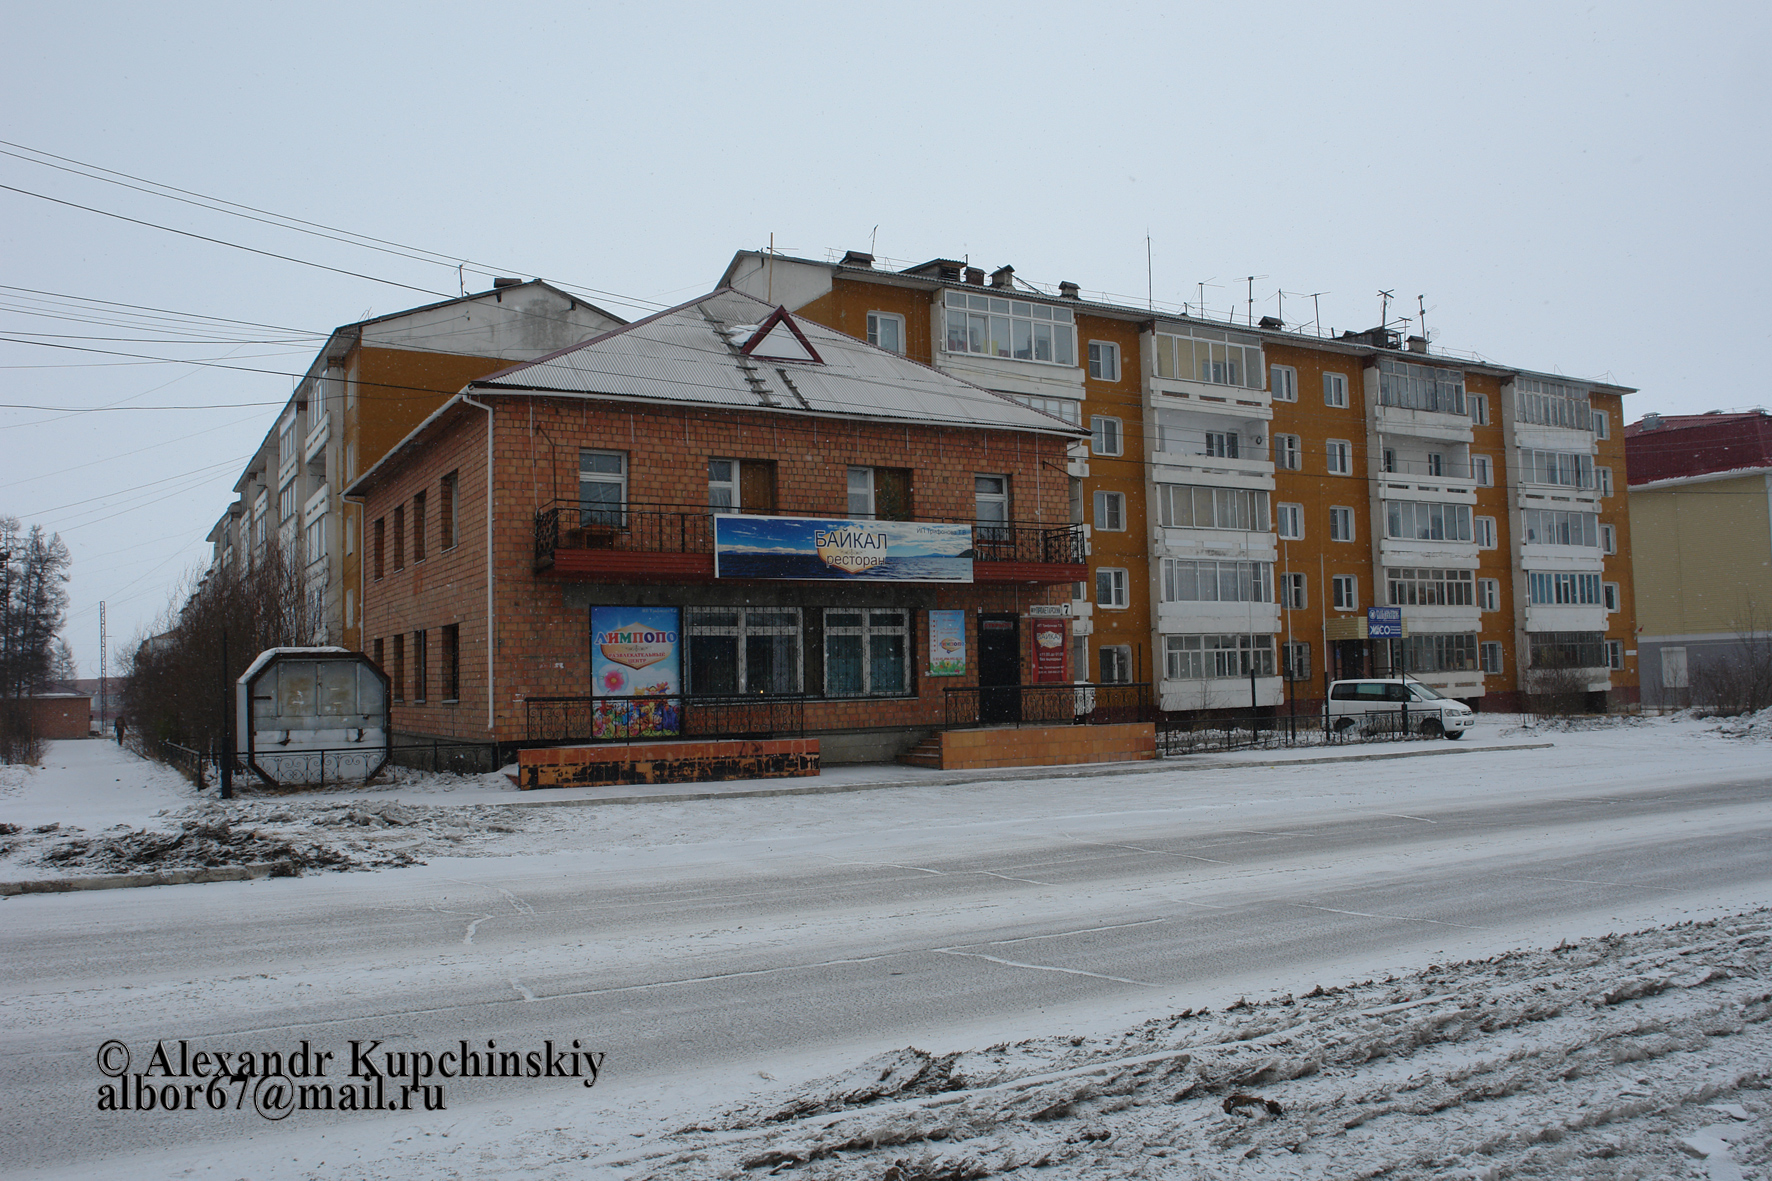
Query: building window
{"points": [[1488, 594], [1186, 580], [350, 533], [1065, 408], [1603, 430], [1567, 649], [1420, 387], [1334, 389], [1297, 660], [350, 607], [316, 534], [1603, 477], [418, 527], [1557, 527], [1104, 360], [1110, 587], [1608, 539], [1421, 520], [990, 499], [286, 443], [866, 653], [398, 672], [1388, 461], [1345, 592], [381, 534], [1290, 518], [1110, 511], [350, 461], [1209, 657], [723, 483], [1447, 652], [1436, 464], [1116, 664], [1552, 403], [451, 669], [1221, 444], [1341, 457], [1341, 523], [448, 495], [1609, 595], [992, 326], [603, 488], [879, 494], [886, 330], [1560, 469], [1615, 654], [1489, 657], [420, 667], [1479, 408], [1188, 506], [1292, 592], [399, 537], [1104, 435], [286, 502], [1564, 590], [743, 650], [1407, 587], [1288, 453], [1483, 529], [1211, 356], [1481, 469], [747, 485], [1284, 379]]}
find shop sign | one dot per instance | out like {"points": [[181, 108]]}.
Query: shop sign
{"points": [[636, 672], [1384, 623], [819, 549], [1039, 610], [1049, 640], [947, 643]]}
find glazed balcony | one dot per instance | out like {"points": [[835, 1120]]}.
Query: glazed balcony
{"points": [[640, 542]]}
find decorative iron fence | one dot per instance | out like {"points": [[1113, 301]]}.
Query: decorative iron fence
{"points": [[347, 765], [1185, 734], [633, 719], [1047, 705]]}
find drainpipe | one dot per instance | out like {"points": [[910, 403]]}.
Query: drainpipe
{"points": [[491, 620]]}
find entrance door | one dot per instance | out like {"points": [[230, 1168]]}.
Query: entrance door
{"points": [[999, 668]]}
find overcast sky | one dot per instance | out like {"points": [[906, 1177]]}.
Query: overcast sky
{"points": [[1574, 188]]}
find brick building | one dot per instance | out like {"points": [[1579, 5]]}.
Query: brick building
{"points": [[721, 509]]}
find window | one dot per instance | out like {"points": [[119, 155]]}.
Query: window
{"points": [[418, 527], [1615, 654], [350, 533], [1211, 356], [380, 536], [866, 653], [1340, 454], [400, 537], [1297, 660], [879, 493], [1334, 389], [1104, 360], [1196, 658], [420, 671], [1481, 469], [448, 494], [1489, 657], [743, 650], [1406, 587], [1420, 387], [1552, 403], [451, 670], [1064, 408], [1221, 444], [1447, 652], [1345, 592], [350, 461], [1284, 379], [1292, 592], [398, 672], [1110, 510], [990, 496], [996, 327], [1290, 518], [1556, 527], [1186, 580], [1389, 460], [1603, 477], [1603, 430], [1488, 594], [1188, 506], [1609, 595], [1483, 530], [1341, 523], [603, 488], [1563, 469], [286, 443], [886, 330], [316, 538], [1436, 463], [1479, 408], [1567, 649], [286, 502], [1288, 453], [1421, 520], [1608, 539], [1564, 590], [1110, 587], [723, 482], [1116, 664], [350, 607], [1104, 435]]}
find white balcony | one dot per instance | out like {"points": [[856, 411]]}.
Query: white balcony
{"points": [[317, 437], [1219, 693], [1422, 424], [1543, 617], [1196, 618]]}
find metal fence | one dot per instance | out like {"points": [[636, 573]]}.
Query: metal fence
{"points": [[1047, 705], [677, 715], [347, 765], [1196, 734]]}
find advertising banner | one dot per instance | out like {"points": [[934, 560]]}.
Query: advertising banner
{"points": [[1049, 637], [636, 672], [947, 643], [1384, 623], [802, 548]]}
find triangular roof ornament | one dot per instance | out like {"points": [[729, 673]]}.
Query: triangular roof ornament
{"points": [[771, 342]]}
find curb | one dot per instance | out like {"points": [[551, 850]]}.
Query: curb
{"points": [[124, 881]]}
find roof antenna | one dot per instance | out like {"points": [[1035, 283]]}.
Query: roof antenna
{"points": [[1317, 310], [1251, 312], [1421, 317], [1384, 307], [461, 277], [770, 284], [875, 234], [1150, 283]]}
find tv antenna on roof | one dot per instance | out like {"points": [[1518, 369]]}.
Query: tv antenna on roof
{"points": [[1202, 285], [1317, 309], [1384, 307], [1421, 316], [1250, 279]]}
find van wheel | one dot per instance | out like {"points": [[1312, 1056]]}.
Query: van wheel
{"points": [[1431, 728], [1455, 735], [1342, 725]]}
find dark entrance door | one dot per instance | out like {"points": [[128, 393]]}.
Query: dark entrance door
{"points": [[999, 668]]}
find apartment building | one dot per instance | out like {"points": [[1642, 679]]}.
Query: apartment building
{"points": [[1250, 492], [368, 386]]}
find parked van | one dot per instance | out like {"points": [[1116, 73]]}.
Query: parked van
{"points": [[1378, 703]]}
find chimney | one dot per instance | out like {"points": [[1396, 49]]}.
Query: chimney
{"points": [[1651, 421], [1067, 290], [856, 258], [1418, 344], [1272, 322], [500, 283], [975, 276], [1003, 276]]}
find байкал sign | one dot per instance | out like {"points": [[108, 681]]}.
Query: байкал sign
{"points": [[824, 549]]}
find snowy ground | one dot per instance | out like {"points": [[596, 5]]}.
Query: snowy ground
{"points": [[1626, 1056]]}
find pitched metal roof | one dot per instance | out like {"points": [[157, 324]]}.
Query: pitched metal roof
{"points": [[695, 354]]}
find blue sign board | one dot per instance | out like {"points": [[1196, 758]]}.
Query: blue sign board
{"points": [[1384, 623], [841, 550]]}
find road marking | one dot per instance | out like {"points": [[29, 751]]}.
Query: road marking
{"points": [[940, 873], [1402, 816], [1407, 918], [1143, 849], [1584, 882], [978, 955]]}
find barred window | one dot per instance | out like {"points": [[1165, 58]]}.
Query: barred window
{"points": [[1566, 649], [1424, 521], [743, 650], [1185, 506], [1188, 581], [1429, 588], [866, 653], [1195, 658]]}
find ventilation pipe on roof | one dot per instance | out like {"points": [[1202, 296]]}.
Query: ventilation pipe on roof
{"points": [[1651, 421], [1418, 344], [500, 283], [1068, 290], [975, 276], [856, 258], [1003, 277]]}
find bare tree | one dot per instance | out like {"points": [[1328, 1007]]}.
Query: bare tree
{"points": [[1737, 680]]}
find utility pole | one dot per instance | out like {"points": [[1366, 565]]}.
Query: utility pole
{"points": [[103, 668]]}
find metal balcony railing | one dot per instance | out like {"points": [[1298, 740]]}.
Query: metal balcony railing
{"points": [[1047, 705]]}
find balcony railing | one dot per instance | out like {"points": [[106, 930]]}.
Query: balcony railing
{"points": [[636, 527], [1047, 705]]}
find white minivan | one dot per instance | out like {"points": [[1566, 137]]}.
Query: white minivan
{"points": [[1375, 703]]}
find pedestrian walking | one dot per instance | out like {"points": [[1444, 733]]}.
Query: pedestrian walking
{"points": [[122, 727]]}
